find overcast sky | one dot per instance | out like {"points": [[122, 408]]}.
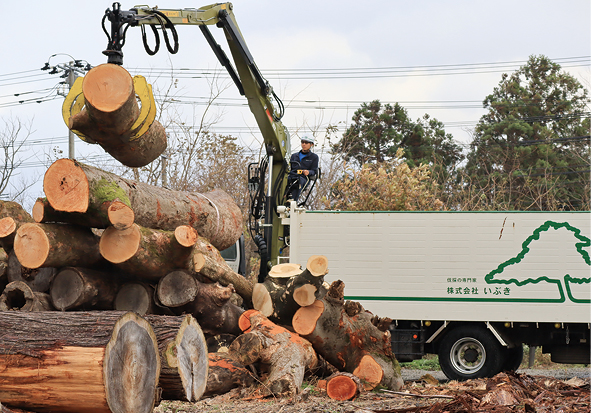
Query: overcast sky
{"points": [[323, 58]]}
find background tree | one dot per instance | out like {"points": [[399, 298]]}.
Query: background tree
{"points": [[531, 149], [378, 131]]}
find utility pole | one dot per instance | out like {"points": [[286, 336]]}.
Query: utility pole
{"points": [[70, 71]]}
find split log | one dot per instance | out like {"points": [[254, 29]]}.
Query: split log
{"points": [[287, 288], [18, 296], [97, 362], [82, 288], [349, 341], [208, 261], [287, 354], [208, 303], [343, 386], [183, 355], [110, 111], [148, 253], [74, 187], [39, 279], [12, 215], [56, 245], [225, 374]]}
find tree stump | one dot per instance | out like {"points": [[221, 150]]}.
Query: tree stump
{"points": [[287, 288], [98, 362], [287, 354], [348, 339], [110, 111], [74, 187], [56, 245], [183, 353]]}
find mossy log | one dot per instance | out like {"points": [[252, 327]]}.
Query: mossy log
{"points": [[183, 355], [347, 338], [74, 187], [92, 362], [56, 245], [110, 111]]}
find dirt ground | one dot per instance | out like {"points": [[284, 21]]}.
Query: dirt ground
{"points": [[512, 392]]}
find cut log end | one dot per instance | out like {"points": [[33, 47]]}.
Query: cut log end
{"points": [[192, 358], [16, 296], [177, 288], [343, 386], [31, 245], [38, 210], [185, 235], [7, 226], [305, 295], [107, 87], [317, 265], [261, 300], [285, 270], [66, 289], [66, 186], [133, 297], [304, 320], [118, 246], [369, 372], [120, 215]]}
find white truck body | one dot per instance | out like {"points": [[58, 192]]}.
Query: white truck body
{"points": [[472, 287], [470, 266]]}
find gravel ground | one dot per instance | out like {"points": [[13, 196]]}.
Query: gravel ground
{"points": [[561, 373]]}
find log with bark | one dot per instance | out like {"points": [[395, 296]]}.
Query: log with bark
{"points": [[109, 115], [287, 288], [18, 296], [39, 279], [146, 253], [208, 303], [56, 245], [286, 354], [225, 374], [344, 334], [138, 297], [183, 355], [97, 362], [75, 288], [343, 386], [12, 216], [74, 187]]}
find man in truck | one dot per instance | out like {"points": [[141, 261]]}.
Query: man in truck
{"points": [[304, 166]]}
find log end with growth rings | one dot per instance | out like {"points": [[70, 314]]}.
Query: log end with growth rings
{"points": [[66, 186], [65, 289], [261, 299], [285, 270], [121, 216], [369, 372], [7, 226], [317, 265], [343, 386], [304, 320], [31, 245], [107, 87], [186, 235], [118, 246]]}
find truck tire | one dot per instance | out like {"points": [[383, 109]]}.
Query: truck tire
{"points": [[470, 352], [513, 358]]}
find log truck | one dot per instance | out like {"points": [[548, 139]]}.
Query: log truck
{"points": [[470, 287]]}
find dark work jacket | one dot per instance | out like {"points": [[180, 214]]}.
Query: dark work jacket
{"points": [[309, 162]]}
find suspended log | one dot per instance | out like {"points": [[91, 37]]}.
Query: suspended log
{"points": [[39, 279], [225, 374], [148, 253], [18, 296], [96, 362], [82, 288], [208, 303], [287, 354], [74, 187], [287, 288], [183, 354], [110, 111], [343, 386], [349, 340], [56, 245]]}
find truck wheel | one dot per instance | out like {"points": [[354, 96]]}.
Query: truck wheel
{"points": [[469, 352], [513, 358]]}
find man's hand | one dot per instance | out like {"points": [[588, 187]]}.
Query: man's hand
{"points": [[305, 172]]}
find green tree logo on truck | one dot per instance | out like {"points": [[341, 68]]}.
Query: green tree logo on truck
{"points": [[563, 281]]}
